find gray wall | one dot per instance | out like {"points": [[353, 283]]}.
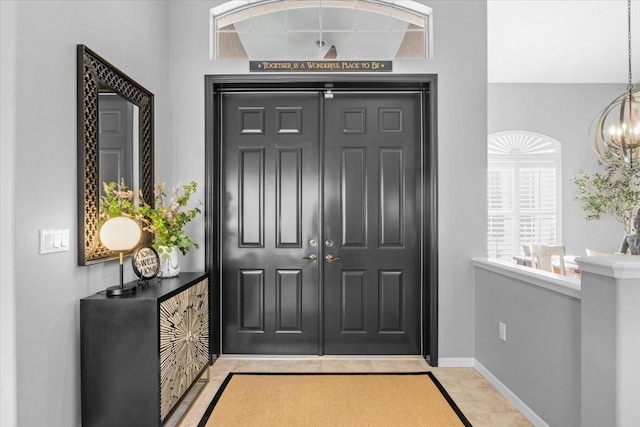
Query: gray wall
{"points": [[164, 46], [610, 341], [8, 385], [540, 360], [133, 36], [563, 112]]}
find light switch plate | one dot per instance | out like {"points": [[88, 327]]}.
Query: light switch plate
{"points": [[54, 241]]}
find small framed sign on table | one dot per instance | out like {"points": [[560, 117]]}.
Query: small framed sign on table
{"points": [[146, 263]]}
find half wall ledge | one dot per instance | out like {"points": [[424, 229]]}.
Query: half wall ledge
{"points": [[617, 266], [565, 285]]}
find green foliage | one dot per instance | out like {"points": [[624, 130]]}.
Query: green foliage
{"points": [[117, 200], [165, 219], [615, 192]]}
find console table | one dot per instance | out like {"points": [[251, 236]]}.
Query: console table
{"points": [[141, 353]]}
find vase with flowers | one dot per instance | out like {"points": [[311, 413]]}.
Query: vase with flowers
{"points": [[164, 219]]}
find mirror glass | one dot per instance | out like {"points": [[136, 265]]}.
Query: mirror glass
{"points": [[115, 143], [117, 140]]}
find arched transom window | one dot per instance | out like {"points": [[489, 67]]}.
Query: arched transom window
{"points": [[524, 191], [320, 29]]}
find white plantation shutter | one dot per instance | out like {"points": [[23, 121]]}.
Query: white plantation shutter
{"points": [[501, 212], [523, 192]]}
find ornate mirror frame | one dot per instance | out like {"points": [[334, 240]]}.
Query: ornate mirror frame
{"points": [[96, 75]]}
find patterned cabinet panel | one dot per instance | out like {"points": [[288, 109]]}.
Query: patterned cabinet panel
{"points": [[184, 342]]}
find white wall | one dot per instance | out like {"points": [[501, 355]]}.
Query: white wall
{"points": [[460, 62], [564, 112], [560, 41], [134, 36]]}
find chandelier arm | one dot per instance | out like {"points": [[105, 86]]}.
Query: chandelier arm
{"points": [[630, 86]]}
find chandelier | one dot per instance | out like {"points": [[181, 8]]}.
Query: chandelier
{"points": [[617, 130]]}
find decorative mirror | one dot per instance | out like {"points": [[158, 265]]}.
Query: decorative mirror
{"points": [[115, 143]]}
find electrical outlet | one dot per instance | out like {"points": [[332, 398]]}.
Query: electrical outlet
{"points": [[502, 331]]}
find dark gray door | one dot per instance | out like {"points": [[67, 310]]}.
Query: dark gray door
{"points": [[270, 188], [372, 223], [115, 123], [361, 210]]}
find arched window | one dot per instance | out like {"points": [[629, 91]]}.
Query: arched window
{"points": [[524, 191], [314, 29]]}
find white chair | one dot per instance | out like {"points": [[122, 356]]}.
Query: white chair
{"points": [[541, 257]]}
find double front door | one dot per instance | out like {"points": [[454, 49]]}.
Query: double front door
{"points": [[321, 230]]}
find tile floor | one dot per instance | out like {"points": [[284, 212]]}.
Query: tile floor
{"points": [[482, 404]]}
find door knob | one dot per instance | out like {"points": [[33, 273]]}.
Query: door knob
{"points": [[311, 257], [330, 258]]}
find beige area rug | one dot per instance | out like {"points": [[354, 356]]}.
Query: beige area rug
{"points": [[319, 399]]}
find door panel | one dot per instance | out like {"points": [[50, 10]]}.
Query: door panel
{"points": [[354, 197], [371, 189], [270, 294], [251, 197]]}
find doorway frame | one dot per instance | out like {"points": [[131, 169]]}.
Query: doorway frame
{"points": [[215, 85]]}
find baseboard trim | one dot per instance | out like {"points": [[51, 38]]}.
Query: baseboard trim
{"points": [[456, 362], [511, 397], [313, 357]]}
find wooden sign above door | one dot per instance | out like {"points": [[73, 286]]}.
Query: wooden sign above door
{"points": [[321, 66]]}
